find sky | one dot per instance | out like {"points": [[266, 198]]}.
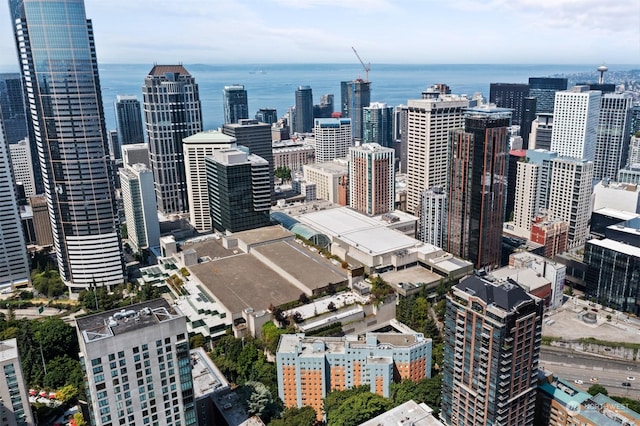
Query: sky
{"points": [[383, 31]]}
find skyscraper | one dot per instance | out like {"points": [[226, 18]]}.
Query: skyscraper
{"points": [[236, 106], [544, 90], [355, 95], [140, 209], [433, 205], [493, 333], [128, 121], [267, 115], [541, 130], [196, 148], [478, 186], [378, 124], [14, 263], [58, 58], [371, 179], [333, 138], [429, 123], [575, 121], [239, 193], [612, 135], [137, 365], [172, 112], [15, 409], [303, 122], [325, 108], [22, 165], [256, 137], [12, 109], [509, 95]]}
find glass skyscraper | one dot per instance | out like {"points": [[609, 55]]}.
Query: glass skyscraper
{"points": [[129, 121], [303, 122], [59, 67], [236, 104]]}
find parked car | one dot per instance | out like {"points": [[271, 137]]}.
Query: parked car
{"points": [[578, 382], [626, 384]]}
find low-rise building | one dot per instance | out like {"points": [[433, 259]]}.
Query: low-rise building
{"points": [[14, 407], [311, 367], [410, 413]]}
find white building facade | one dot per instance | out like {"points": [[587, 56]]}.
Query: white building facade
{"points": [[140, 210], [333, 138]]}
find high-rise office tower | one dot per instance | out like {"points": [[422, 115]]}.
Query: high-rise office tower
{"points": [[544, 90], [433, 206], [371, 179], [325, 108], [15, 119], [128, 120], [267, 115], [22, 165], [570, 191], [59, 67], [529, 112], [140, 209], [377, 119], [509, 95], [634, 126], [137, 365], [333, 138], [400, 132], [428, 143], [239, 192], [477, 186], [355, 95], [196, 148], [12, 109], [115, 149], [575, 121], [236, 106], [172, 112], [136, 153], [14, 263], [303, 122], [493, 333], [541, 130], [255, 136], [15, 409], [515, 156], [612, 135]]}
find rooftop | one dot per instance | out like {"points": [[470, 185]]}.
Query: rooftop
{"points": [[263, 235], [211, 136], [161, 70], [409, 413], [8, 349], [506, 296], [119, 321], [616, 246]]}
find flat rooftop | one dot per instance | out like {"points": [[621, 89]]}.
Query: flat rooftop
{"points": [[414, 275], [208, 248], [243, 281], [409, 413], [305, 266], [119, 321], [263, 235], [8, 349]]}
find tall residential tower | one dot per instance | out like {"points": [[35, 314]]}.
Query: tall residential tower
{"points": [[236, 106]]}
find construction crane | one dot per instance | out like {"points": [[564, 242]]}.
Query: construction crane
{"points": [[366, 67]]}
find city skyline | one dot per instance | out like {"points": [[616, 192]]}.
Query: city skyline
{"points": [[571, 31]]}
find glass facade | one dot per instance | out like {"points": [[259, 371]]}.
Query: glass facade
{"points": [[59, 66]]}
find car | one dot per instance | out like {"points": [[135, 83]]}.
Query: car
{"points": [[578, 382], [593, 380], [631, 378], [626, 384]]}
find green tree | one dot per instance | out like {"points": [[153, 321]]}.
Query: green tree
{"points": [[61, 371], [196, 341], [426, 390], [259, 400], [631, 404], [80, 421], [294, 416], [358, 409], [335, 399], [67, 393], [56, 337], [596, 389], [283, 173], [48, 283]]}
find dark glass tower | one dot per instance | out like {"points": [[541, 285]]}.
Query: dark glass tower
{"points": [[544, 90], [172, 112], [129, 121], [236, 105], [478, 186], [58, 59], [528, 115], [355, 96], [303, 122], [509, 95]]}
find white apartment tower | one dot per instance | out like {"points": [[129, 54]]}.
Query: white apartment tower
{"points": [[371, 179], [195, 149], [14, 400], [137, 366], [22, 166], [140, 209], [570, 196], [527, 183], [333, 138], [612, 136], [575, 121], [433, 207], [429, 123]]}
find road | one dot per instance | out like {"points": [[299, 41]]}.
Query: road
{"points": [[578, 366]]}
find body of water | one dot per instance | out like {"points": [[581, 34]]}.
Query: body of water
{"points": [[273, 86]]}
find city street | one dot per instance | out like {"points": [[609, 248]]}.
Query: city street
{"points": [[577, 366]]}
